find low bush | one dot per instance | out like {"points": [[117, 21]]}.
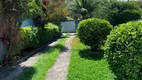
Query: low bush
{"points": [[27, 36], [124, 51], [93, 32], [54, 31], [33, 37]]}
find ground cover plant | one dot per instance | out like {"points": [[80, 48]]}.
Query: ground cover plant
{"points": [[40, 68], [124, 51], [87, 65]]}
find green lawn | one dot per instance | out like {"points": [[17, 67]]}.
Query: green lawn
{"points": [[39, 70], [87, 65]]}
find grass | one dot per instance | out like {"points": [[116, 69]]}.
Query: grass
{"points": [[39, 70], [67, 35], [88, 65]]}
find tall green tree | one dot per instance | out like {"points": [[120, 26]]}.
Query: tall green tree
{"points": [[55, 11], [118, 12], [10, 13], [34, 9], [12, 8], [84, 8]]}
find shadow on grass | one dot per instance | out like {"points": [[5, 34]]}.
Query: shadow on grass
{"points": [[29, 75], [119, 74], [96, 55], [92, 55], [114, 71]]}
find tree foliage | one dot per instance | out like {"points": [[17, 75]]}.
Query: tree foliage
{"points": [[55, 11], [118, 12], [10, 16], [84, 8], [34, 9]]}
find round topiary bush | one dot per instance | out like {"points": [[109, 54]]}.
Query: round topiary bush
{"points": [[124, 51], [93, 32]]}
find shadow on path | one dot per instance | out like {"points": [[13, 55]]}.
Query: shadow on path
{"points": [[15, 72], [12, 73]]}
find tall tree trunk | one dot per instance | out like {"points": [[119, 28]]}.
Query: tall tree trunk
{"points": [[1, 9], [1, 15]]}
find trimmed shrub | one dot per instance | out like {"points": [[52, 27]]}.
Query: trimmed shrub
{"points": [[53, 29], [124, 51], [93, 32], [26, 36], [33, 37]]}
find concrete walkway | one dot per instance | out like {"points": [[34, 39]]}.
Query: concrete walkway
{"points": [[60, 68], [13, 72]]}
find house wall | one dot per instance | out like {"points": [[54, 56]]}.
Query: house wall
{"points": [[28, 22]]}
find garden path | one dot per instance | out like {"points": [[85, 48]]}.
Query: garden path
{"points": [[60, 68], [13, 72]]}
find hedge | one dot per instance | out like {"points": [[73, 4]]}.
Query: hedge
{"points": [[124, 51], [33, 37]]}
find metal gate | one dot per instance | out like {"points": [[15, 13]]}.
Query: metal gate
{"points": [[69, 26]]}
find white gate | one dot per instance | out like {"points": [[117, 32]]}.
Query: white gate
{"points": [[68, 26]]}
